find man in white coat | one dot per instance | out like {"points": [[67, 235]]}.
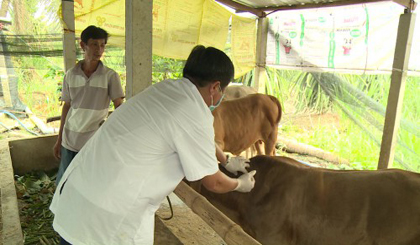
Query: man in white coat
{"points": [[113, 187]]}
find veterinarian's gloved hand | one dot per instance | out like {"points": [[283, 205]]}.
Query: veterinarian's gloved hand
{"points": [[246, 182], [235, 164]]}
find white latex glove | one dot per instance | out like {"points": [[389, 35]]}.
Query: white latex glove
{"points": [[246, 182], [235, 164]]}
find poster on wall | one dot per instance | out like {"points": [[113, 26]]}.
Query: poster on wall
{"points": [[348, 38], [357, 38], [316, 38], [283, 41]]}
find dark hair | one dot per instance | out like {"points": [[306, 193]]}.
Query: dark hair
{"points": [[94, 33], [206, 65]]}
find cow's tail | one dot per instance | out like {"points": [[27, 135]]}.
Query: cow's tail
{"points": [[277, 102]]}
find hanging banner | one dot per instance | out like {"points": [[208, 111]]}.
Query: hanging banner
{"points": [[244, 31], [106, 14], [178, 26], [357, 38], [214, 26]]}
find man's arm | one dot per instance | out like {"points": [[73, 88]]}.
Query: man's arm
{"points": [[57, 146], [117, 102], [221, 183], [231, 164], [220, 155]]}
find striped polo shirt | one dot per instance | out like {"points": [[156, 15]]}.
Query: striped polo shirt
{"points": [[90, 99]]}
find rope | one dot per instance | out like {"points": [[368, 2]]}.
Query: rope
{"points": [[170, 207], [14, 117]]}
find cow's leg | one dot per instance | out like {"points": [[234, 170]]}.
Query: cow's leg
{"points": [[258, 147], [249, 152], [270, 143]]}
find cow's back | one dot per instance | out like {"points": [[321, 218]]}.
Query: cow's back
{"points": [[238, 91], [294, 204], [240, 123]]}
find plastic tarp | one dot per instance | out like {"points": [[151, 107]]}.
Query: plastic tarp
{"points": [[178, 25], [357, 38]]}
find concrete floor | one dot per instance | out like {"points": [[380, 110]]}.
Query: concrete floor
{"points": [[185, 225], [11, 232]]}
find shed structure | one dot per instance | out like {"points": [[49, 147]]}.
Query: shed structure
{"points": [[138, 45], [138, 26]]}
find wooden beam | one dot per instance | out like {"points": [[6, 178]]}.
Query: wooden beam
{"points": [[4, 76], [261, 12], [409, 4], [242, 8], [219, 222], [138, 45], [259, 72], [69, 39], [4, 81], [11, 229], [405, 3], [397, 88]]}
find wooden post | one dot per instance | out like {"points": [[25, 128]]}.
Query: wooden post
{"points": [[4, 79], [69, 39], [5, 65], [259, 72], [138, 45], [11, 229], [219, 222], [397, 88], [4, 8]]}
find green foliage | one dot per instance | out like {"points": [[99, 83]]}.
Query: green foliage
{"points": [[306, 91], [37, 87], [311, 97], [35, 192], [360, 102], [304, 87], [41, 93], [55, 73], [166, 68], [247, 79]]}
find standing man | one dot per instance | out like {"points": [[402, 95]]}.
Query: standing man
{"points": [[88, 89], [114, 186]]}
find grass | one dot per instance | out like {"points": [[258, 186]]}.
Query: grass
{"points": [[41, 96], [359, 135], [356, 139], [39, 88]]}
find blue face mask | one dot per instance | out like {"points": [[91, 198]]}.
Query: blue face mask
{"points": [[212, 107]]}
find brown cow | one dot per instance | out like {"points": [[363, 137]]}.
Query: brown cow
{"points": [[238, 91], [240, 123], [296, 204]]}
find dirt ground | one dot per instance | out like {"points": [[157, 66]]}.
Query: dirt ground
{"points": [[186, 225]]}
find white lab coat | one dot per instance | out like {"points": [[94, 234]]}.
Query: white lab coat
{"points": [[113, 187]]}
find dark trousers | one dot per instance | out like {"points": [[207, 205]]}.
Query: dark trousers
{"points": [[66, 158], [64, 242]]}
